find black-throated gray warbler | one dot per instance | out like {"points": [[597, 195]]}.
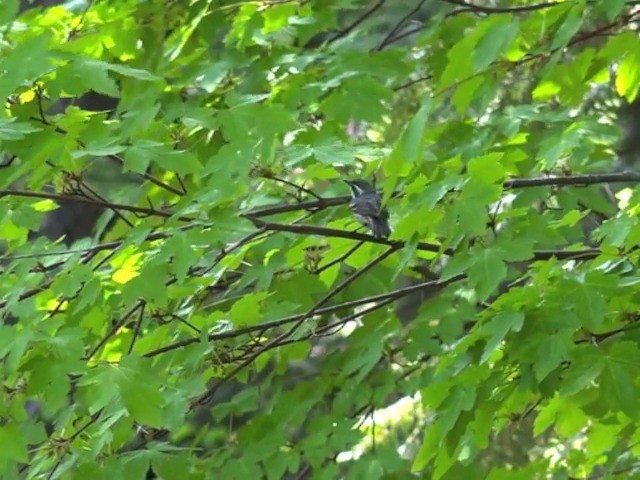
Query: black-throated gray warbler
{"points": [[366, 205]]}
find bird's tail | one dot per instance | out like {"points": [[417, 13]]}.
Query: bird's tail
{"points": [[380, 228]]}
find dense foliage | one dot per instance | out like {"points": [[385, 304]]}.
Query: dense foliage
{"points": [[185, 293]]}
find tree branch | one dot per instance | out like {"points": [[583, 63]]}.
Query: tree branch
{"points": [[205, 397], [583, 254], [331, 232], [559, 181], [554, 180], [471, 7], [394, 295], [91, 201]]}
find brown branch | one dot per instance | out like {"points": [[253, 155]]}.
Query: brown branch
{"points": [[338, 288], [583, 254], [331, 232], [556, 180], [406, 33], [90, 250]]}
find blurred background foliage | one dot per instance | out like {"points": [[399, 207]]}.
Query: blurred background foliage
{"points": [[183, 293]]}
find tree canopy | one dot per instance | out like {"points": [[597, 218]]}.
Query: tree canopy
{"points": [[185, 293]]}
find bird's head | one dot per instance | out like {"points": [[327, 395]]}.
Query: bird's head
{"points": [[360, 186]]}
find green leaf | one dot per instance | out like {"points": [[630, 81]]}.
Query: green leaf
{"points": [[85, 74], [29, 59], [619, 389], [141, 394], [551, 353], [570, 25], [149, 285], [628, 76], [464, 48], [486, 273], [589, 305], [498, 38], [332, 152], [137, 73], [171, 466], [12, 130], [138, 156], [465, 93], [407, 149], [612, 8], [8, 10], [14, 444], [181, 162], [252, 119], [428, 448], [247, 310], [487, 169], [497, 328], [586, 363]]}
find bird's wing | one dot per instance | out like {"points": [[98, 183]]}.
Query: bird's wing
{"points": [[369, 206]]}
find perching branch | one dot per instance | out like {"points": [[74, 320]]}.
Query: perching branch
{"points": [[583, 254], [552, 180], [332, 232]]}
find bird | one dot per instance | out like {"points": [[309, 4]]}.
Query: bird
{"points": [[366, 205]]}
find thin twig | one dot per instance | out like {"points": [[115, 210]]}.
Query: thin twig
{"points": [[394, 295], [347, 30], [136, 332], [399, 25], [412, 82], [471, 7], [342, 258], [291, 184], [112, 331], [99, 198]]}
